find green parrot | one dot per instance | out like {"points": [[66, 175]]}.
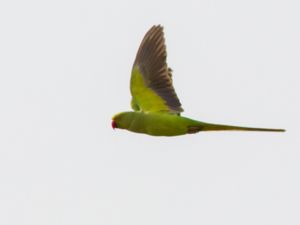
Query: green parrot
{"points": [[154, 101]]}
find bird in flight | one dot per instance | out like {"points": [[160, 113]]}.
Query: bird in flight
{"points": [[156, 107]]}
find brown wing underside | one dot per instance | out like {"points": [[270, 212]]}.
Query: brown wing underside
{"points": [[151, 61]]}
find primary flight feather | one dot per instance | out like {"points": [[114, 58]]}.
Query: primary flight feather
{"points": [[154, 100]]}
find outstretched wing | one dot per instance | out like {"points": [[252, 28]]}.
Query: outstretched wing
{"points": [[151, 83]]}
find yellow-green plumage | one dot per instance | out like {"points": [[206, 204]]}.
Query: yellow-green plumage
{"points": [[154, 123], [154, 101], [145, 98]]}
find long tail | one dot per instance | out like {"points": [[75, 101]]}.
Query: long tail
{"points": [[220, 127]]}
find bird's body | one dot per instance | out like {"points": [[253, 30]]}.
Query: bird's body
{"points": [[155, 123], [166, 124], [155, 103]]}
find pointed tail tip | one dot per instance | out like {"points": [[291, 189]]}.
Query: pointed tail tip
{"points": [[265, 129], [280, 130]]}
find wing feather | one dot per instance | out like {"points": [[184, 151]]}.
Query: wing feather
{"points": [[158, 93]]}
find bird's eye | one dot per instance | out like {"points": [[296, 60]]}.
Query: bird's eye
{"points": [[114, 124]]}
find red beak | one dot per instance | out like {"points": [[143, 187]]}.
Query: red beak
{"points": [[113, 124]]}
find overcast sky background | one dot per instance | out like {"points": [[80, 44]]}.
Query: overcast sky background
{"points": [[64, 72]]}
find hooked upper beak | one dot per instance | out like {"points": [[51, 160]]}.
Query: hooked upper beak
{"points": [[113, 124]]}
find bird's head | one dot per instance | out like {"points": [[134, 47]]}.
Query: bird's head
{"points": [[115, 121], [122, 120]]}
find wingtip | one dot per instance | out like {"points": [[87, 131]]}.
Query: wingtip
{"points": [[157, 26]]}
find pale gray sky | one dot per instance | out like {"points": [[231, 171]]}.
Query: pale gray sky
{"points": [[65, 70]]}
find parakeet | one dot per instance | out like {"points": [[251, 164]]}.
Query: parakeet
{"points": [[154, 101]]}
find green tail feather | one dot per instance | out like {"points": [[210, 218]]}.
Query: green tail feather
{"points": [[219, 127]]}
